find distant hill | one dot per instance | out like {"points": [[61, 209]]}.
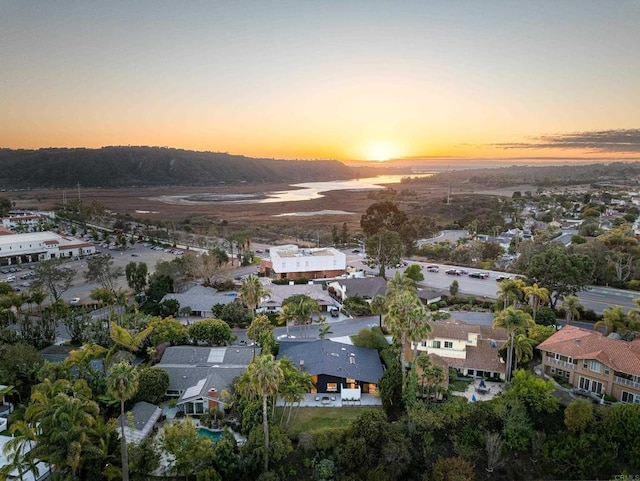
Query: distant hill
{"points": [[151, 166]]}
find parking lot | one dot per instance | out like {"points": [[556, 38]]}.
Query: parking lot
{"points": [[137, 253]]}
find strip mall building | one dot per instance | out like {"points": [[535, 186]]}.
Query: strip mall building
{"points": [[39, 246]]}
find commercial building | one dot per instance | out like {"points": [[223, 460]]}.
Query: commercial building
{"points": [[40, 246], [291, 262]]}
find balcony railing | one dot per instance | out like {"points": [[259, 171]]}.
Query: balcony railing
{"points": [[626, 382], [558, 362]]}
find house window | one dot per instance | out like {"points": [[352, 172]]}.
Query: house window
{"points": [[590, 385], [423, 344], [606, 369], [628, 397], [436, 344], [448, 345], [332, 387], [595, 366], [557, 356]]}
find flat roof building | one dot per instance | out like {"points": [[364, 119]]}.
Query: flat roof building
{"points": [[40, 246], [291, 262]]}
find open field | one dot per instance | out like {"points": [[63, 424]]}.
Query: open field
{"points": [[310, 419]]}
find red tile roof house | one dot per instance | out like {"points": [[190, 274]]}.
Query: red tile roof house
{"points": [[590, 361]]}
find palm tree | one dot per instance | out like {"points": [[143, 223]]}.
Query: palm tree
{"points": [[64, 415], [400, 283], [633, 318], [514, 321], [124, 340], [379, 307], [18, 451], [251, 292], [523, 349], [613, 319], [537, 296], [510, 292], [572, 308], [122, 384], [265, 377], [295, 385], [301, 308], [407, 320]]}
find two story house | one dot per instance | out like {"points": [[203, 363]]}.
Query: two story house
{"points": [[588, 360], [470, 349]]}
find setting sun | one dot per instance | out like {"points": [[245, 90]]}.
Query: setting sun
{"points": [[381, 151]]}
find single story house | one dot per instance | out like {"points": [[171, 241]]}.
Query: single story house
{"points": [[365, 287], [197, 375], [336, 368], [273, 302], [201, 299]]}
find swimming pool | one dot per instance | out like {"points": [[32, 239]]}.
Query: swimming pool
{"points": [[213, 435]]}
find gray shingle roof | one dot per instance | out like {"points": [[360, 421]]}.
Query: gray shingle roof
{"points": [[367, 287], [144, 416], [334, 359], [200, 298], [188, 365], [314, 291]]}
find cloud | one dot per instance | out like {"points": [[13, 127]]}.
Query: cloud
{"points": [[599, 141]]}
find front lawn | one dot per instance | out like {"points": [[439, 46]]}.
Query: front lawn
{"points": [[312, 418]]}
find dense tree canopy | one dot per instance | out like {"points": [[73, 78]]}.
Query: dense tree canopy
{"points": [[563, 274]]}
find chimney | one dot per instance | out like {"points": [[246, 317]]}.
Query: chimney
{"points": [[212, 395]]}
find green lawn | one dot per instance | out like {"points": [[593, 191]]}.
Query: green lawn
{"points": [[459, 385], [309, 419]]}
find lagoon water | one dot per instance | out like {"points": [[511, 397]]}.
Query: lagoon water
{"points": [[298, 192]]}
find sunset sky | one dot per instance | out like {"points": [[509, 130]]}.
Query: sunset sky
{"points": [[340, 79]]}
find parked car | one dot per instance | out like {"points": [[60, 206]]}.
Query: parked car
{"points": [[75, 300], [502, 278], [452, 272], [433, 268], [479, 275], [334, 311]]}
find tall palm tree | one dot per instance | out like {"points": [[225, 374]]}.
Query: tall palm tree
{"points": [[537, 296], [379, 307], [407, 320], [514, 321], [400, 283], [510, 292], [523, 349], [572, 308], [265, 377], [122, 383], [295, 385], [613, 319], [251, 292]]}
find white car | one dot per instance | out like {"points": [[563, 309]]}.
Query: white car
{"points": [[75, 300]]}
